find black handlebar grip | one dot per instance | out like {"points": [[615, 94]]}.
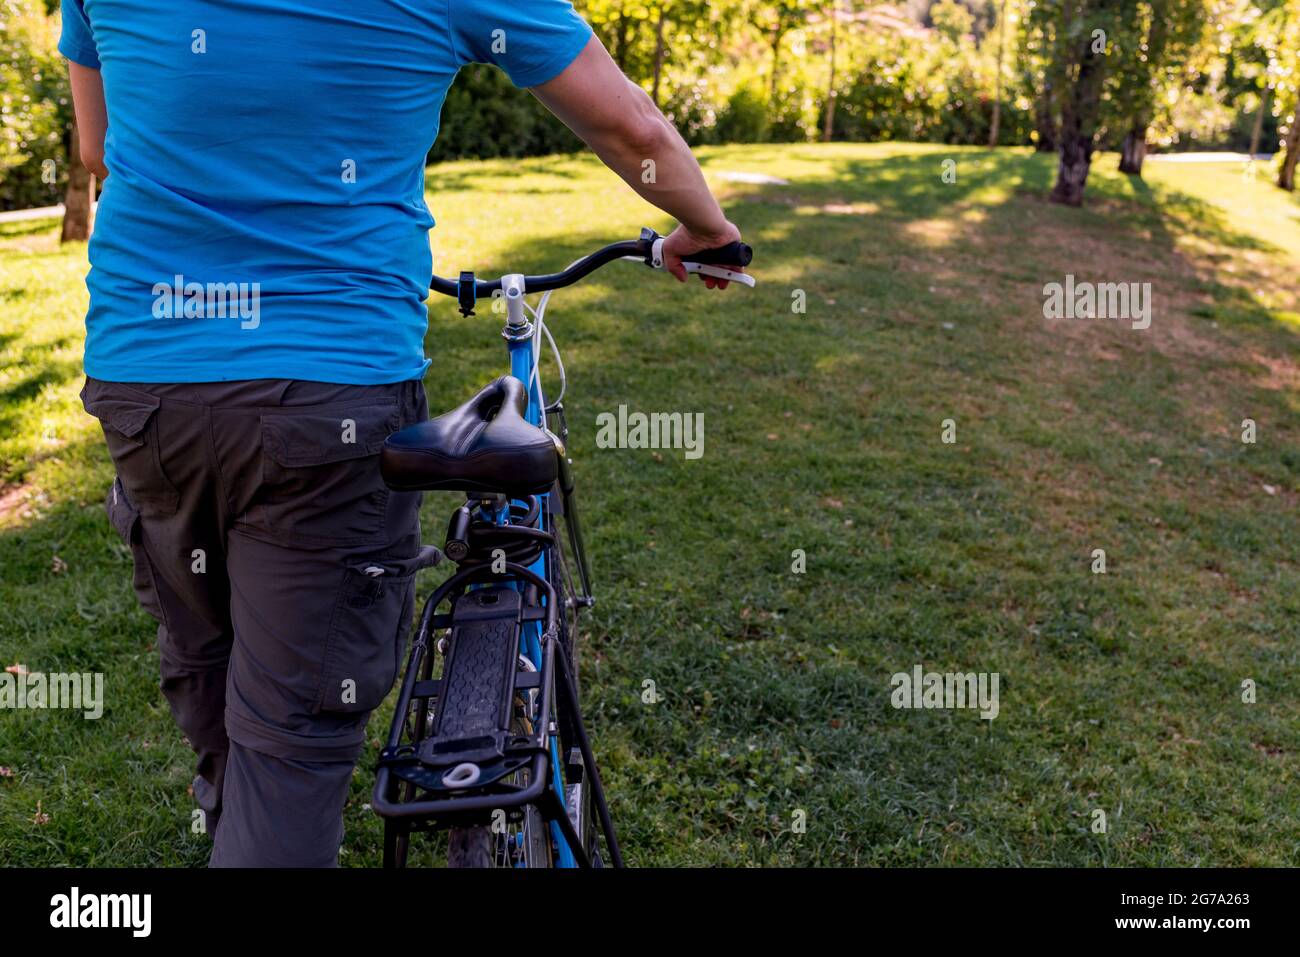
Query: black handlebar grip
{"points": [[732, 254]]}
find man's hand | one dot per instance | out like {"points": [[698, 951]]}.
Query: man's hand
{"points": [[682, 242]]}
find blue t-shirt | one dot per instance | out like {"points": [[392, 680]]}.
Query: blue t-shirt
{"points": [[265, 215]]}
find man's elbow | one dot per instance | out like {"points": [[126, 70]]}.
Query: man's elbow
{"points": [[645, 131], [93, 160], [649, 136]]}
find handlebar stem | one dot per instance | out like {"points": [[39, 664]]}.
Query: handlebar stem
{"points": [[512, 288]]}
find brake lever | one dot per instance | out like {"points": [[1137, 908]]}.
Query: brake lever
{"points": [[721, 272]]}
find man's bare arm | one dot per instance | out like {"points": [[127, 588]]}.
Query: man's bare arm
{"points": [[616, 118], [92, 116]]}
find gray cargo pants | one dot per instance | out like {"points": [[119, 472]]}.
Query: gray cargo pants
{"points": [[281, 572]]}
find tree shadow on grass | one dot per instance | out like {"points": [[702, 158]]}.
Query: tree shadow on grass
{"points": [[27, 227], [1173, 214]]}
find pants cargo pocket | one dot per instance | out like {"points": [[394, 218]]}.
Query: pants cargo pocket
{"points": [[129, 418], [320, 473], [367, 634], [125, 519]]}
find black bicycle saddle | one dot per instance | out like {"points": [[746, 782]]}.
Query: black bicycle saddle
{"points": [[485, 445]]}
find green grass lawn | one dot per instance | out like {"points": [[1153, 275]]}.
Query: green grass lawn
{"points": [[1120, 692]]}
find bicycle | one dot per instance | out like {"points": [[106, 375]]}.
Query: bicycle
{"points": [[494, 748]]}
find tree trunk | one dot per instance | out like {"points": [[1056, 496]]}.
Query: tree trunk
{"points": [[1133, 150], [1044, 122], [1258, 129], [622, 40], [777, 37], [1079, 109], [997, 95], [830, 85], [78, 208], [1286, 176], [659, 56], [1072, 173]]}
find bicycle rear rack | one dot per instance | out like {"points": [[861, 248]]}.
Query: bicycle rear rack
{"points": [[452, 748]]}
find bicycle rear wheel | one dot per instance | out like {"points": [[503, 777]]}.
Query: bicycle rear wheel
{"points": [[528, 843], [525, 843]]}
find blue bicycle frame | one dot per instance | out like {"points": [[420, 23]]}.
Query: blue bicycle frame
{"points": [[521, 367]]}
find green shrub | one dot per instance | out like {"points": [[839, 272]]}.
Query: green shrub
{"points": [[35, 107], [486, 116], [744, 117], [691, 108], [793, 118]]}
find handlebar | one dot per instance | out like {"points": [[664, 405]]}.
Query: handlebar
{"points": [[732, 254], [647, 248]]}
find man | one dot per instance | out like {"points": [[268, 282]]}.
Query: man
{"points": [[256, 330]]}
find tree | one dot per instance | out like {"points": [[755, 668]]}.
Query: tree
{"points": [[670, 17], [1254, 34], [1279, 32], [1039, 69], [997, 90], [1150, 54], [78, 203], [829, 121], [1291, 139], [660, 52], [618, 22], [1082, 51], [952, 20], [1250, 50], [1291, 152], [775, 20]]}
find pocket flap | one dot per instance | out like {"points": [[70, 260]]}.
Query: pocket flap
{"points": [[121, 513], [299, 438], [126, 414], [427, 557]]}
